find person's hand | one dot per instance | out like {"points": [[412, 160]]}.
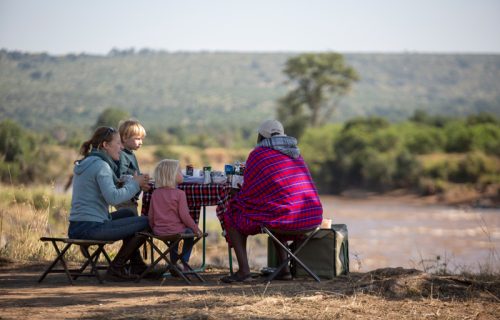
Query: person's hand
{"points": [[145, 186], [142, 180], [148, 186], [199, 233]]}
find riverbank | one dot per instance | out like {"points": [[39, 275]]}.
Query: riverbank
{"points": [[388, 293], [459, 196]]}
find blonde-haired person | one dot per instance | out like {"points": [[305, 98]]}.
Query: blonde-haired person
{"points": [[94, 190], [168, 210], [132, 133]]}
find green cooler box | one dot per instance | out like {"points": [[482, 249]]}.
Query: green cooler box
{"points": [[326, 254]]}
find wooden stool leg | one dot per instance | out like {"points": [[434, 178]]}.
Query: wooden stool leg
{"points": [[152, 254], [93, 261], [86, 254], [173, 266], [153, 262], [163, 256], [105, 254], [59, 258], [191, 271]]}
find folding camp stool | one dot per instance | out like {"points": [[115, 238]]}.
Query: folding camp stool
{"points": [[308, 234], [171, 241], [90, 258]]}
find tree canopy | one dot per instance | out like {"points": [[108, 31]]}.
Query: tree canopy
{"points": [[321, 79]]}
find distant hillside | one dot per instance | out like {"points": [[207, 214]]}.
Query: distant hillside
{"points": [[199, 89]]}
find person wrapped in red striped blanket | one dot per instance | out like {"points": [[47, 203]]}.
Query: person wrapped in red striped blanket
{"points": [[278, 192]]}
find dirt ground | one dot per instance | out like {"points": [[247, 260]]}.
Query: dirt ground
{"points": [[390, 293]]}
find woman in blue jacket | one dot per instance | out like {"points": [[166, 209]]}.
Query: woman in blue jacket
{"points": [[95, 188]]}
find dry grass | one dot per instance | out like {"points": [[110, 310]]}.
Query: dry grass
{"points": [[26, 214]]}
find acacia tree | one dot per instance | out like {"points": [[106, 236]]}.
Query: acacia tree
{"points": [[322, 79]]}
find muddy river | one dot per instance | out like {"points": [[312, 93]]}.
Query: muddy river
{"points": [[403, 232]]}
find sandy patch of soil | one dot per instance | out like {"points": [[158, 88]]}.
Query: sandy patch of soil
{"points": [[390, 293]]}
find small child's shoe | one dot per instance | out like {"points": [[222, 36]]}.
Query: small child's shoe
{"points": [[185, 267]]}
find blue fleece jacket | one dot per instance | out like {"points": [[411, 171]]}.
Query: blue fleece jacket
{"points": [[94, 190]]}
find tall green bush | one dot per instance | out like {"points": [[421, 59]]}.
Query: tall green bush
{"points": [[316, 147], [407, 171], [377, 169], [364, 154], [24, 159], [15, 142], [385, 140], [486, 138], [471, 168], [424, 140], [458, 137]]}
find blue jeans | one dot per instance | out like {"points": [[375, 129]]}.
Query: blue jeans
{"points": [[123, 224], [187, 247]]}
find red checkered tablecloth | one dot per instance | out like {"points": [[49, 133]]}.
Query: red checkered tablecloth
{"points": [[198, 195]]}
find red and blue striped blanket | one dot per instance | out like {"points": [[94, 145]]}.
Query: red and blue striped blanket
{"points": [[277, 192]]}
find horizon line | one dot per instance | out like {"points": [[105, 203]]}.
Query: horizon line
{"points": [[133, 50]]}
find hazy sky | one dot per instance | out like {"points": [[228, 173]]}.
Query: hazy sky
{"points": [[96, 26]]}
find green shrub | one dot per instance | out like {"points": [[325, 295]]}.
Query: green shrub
{"points": [[486, 138], [41, 200], [442, 170], [385, 140], [425, 140], [490, 179], [369, 124], [316, 147], [377, 170], [482, 118], [22, 158], [10, 172], [351, 141], [471, 168], [427, 186], [459, 138], [21, 196], [423, 117], [408, 169]]}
